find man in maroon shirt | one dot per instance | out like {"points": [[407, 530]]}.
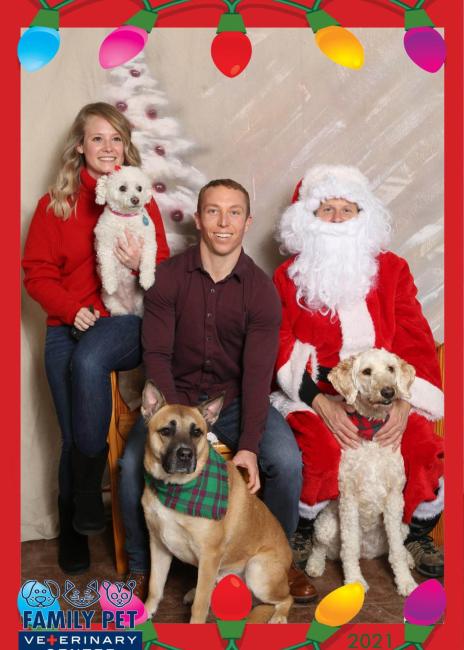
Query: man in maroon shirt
{"points": [[211, 324]]}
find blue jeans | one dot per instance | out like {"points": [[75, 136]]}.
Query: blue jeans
{"points": [[79, 376], [279, 460]]}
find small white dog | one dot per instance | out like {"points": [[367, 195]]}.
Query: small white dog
{"points": [[125, 192], [371, 478]]}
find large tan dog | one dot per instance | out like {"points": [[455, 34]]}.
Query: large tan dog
{"points": [[248, 540], [366, 521]]}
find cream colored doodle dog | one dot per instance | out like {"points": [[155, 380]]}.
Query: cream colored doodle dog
{"points": [[125, 192], [366, 520], [245, 539]]}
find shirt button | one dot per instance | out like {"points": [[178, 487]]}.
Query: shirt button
{"points": [[212, 290], [208, 362], [208, 338], [209, 314]]}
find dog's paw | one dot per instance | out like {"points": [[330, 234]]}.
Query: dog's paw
{"points": [[359, 579], [314, 567], [406, 585], [151, 606], [110, 287], [146, 280], [278, 618], [189, 597]]}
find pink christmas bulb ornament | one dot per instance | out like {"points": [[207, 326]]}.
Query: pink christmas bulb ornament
{"points": [[114, 597], [425, 604], [426, 47], [122, 45]]}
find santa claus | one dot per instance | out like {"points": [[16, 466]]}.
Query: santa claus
{"points": [[343, 292]]}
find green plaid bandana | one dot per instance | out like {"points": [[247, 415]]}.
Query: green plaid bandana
{"points": [[204, 496]]}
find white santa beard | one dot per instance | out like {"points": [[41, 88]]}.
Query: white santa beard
{"points": [[337, 265]]}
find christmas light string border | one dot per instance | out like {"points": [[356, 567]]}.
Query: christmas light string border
{"points": [[231, 48]]}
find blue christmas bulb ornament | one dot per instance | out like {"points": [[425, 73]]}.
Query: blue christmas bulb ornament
{"points": [[38, 46]]}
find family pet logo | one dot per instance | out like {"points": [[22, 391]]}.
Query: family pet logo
{"points": [[80, 640], [39, 606]]}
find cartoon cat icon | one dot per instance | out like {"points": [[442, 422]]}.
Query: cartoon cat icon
{"points": [[40, 595], [117, 593], [73, 596]]}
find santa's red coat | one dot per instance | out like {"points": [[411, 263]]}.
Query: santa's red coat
{"points": [[390, 317]]}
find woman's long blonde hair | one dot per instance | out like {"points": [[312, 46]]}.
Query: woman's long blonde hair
{"points": [[66, 187]]}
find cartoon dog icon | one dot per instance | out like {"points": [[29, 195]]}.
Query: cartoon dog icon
{"points": [[119, 594], [41, 595]]}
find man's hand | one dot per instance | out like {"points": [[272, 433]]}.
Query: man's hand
{"points": [[128, 250], [247, 459], [85, 318], [334, 416], [392, 431]]}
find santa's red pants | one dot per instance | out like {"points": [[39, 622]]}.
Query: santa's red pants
{"points": [[421, 448]]}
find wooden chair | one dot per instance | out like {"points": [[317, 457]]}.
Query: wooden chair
{"points": [[122, 419]]}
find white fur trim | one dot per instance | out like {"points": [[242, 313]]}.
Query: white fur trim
{"points": [[290, 375], [358, 332], [285, 406], [427, 399], [311, 512], [430, 509]]}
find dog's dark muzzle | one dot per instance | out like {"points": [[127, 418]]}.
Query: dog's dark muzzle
{"points": [[180, 459]]}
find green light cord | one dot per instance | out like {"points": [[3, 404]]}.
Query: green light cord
{"points": [[419, 4], [158, 644], [409, 645], [304, 8], [306, 643], [231, 7], [403, 5], [62, 4], [232, 645], [44, 4], [166, 5]]}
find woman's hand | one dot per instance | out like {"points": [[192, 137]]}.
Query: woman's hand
{"points": [[392, 431], [85, 318], [334, 416], [128, 250]]}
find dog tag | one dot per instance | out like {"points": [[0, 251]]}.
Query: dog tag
{"points": [[145, 220]]}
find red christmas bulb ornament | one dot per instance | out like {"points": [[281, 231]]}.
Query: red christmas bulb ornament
{"points": [[231, 599], [231, 48]]}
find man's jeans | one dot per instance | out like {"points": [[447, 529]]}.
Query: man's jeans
{"points": [[79, 378], [279, 460]]}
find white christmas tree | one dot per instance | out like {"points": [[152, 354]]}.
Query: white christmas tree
{"points": [[133, 90]]}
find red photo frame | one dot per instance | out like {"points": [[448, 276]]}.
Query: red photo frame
{"points": [[265, 13]]}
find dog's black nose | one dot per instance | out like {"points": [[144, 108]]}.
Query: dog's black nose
{"points": [[387, 392], [135, 200], [184, 454]]}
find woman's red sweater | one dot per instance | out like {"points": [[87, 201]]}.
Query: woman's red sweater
{"points": [[59, 257]]}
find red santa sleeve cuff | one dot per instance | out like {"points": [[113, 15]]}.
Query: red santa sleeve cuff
{"points": [[290, 374]]}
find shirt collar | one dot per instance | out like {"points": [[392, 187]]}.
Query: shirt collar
{"points": [[88, 182], [195, 264]]}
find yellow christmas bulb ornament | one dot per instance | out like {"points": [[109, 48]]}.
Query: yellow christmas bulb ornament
{"points": [[341, 46], [341, 605]]}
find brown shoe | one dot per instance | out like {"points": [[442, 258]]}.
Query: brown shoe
{"points": [[141, 584], [300, 586]]}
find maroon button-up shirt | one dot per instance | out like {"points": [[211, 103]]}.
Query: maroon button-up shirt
{"points": [[201, 337]]}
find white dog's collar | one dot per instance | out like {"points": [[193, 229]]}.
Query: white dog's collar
{"points": [[123, 214]]}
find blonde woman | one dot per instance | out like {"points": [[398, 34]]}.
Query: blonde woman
{"points": [[60, 273]]}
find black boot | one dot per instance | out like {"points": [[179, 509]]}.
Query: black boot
{"points": [[428, 559], [73, 548], [89, 514], [300, 542]]}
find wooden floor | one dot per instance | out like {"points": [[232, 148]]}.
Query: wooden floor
{"points": [[382, 604]]}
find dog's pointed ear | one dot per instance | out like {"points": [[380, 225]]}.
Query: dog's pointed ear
{"points": [[100, 190], [342, 379], [211, 408], [406, 375], [152, 400]]}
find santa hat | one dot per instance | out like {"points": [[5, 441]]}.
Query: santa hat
{"points": [[324, 182]]}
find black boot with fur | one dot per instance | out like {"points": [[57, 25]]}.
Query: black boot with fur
{"points": [[89, 514], [73, 548]]}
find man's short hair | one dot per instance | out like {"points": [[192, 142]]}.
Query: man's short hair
{"points": [[224, 182]]}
